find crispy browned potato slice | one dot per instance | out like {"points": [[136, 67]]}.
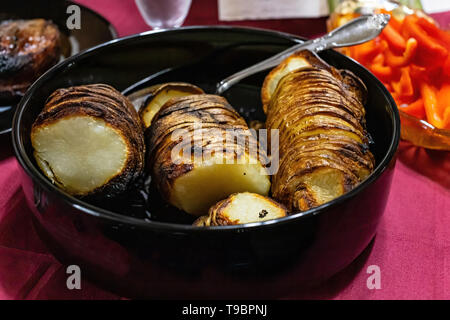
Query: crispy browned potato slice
{"points": [[296, 61], [214, 157], [202, 221], [89, 140], [160, 94], [28, 48], [323, 143], [240, 208]]}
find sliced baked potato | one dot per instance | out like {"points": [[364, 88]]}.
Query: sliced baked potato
{"points": [[240, 208], [89, 140], [319, 112], [201, 151], [159, 94], [28, 48], [293, 62]]}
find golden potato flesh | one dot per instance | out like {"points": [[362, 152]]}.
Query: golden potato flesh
{"points": [[320, 116], [162, 93], [89, 140], [195, 191], [242, 208], [219, 165], [80, 153]]}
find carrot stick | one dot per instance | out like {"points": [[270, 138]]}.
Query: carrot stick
{"points": [[431, 51], [434, 31], [379, 59], [401, 61], [418, 73], [446, 124], [394, 39], [415, 109], [367, 51], [384, 73], [443, 98], [446, 68], [430, 103], [404, 86]]}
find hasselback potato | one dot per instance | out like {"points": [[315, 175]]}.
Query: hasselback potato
{"points": [[159, 94], [241, 208], [323, 141], [27, 49], [89, 140], [201, 151]]}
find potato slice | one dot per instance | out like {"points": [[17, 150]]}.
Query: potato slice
{"points": [[89, 140], [323, 143], [296, 61], [303, 60], [240, 208], [215, 165], [28, 48], [162, 93], [202, 221]]}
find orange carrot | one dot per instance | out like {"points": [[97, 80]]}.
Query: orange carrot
{"points": [[394, 39], [446, 124], [401, 61], [411, 57], [404, 86], [430, 103], [418, 73], [443, 98], [415, 109], [446, 67], [367, 51], [379, 59], [383, 72], [430, 51], [434, 31]]}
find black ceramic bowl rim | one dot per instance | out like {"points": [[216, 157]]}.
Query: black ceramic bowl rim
{"points": [[92, 210]]}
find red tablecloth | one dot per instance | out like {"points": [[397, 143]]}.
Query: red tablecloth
{"points": [[412, 247]]}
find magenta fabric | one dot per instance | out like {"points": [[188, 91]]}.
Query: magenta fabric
{"points": [[412, 246]]}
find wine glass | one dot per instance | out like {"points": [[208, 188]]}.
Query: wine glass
{"points": [[164, 14]]}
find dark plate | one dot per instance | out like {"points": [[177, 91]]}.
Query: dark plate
{"points": [[150, 256], [94, 30]]}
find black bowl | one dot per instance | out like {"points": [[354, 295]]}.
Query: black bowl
{"points": [[138, 257]]}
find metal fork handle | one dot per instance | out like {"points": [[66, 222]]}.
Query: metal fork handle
{"points": [[355, 32]]}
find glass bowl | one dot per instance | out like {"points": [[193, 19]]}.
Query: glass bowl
{"points": [[423, 134]]}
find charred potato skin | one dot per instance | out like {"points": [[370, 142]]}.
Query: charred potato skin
{"points": [[351, 82], [104, 102], [306, 56], [328, 103], [22, 63], [202, 221], [213, 112], [217, 216]]}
